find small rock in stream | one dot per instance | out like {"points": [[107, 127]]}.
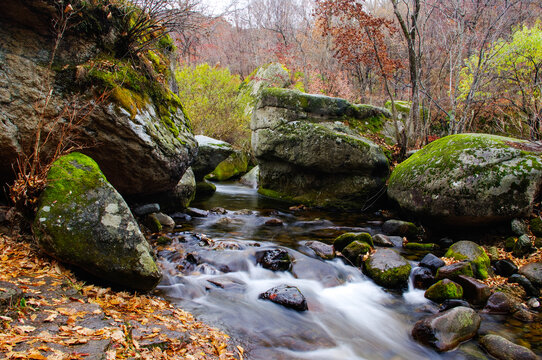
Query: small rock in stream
{"points": [[432, 262], [382, 240], [274, 222], [146, 209], [287, 296], [504, 349], [274, 259], [193, 212], [321, 249], [422, 278]]}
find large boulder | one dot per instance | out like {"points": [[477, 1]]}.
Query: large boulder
{"points": [[234, 166], [447, 329], [307, 154], [469, 179], [387, 268], [211, 152], [137, 133], [83, 221]]}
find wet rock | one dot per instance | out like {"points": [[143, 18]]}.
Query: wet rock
{"points": [[447, 329], [445, 242], [518, 227], [287, 296], [416, 246], [211, 152], [228, 283], [493, 254], [219, 210], [10, 295], [533, 272], [422, 278], [382, 240], [443, 290], [432, 262], [166, 221], [387, 268], [324, 251], [146, 209], [400, 228], [475, 254], [536, 226], [524, 315], [274, 259], [529, 288], [500, 303], [193, 212], [227, 223], [251, 177], [152, 223], [83, 221], [205, 188], [474, 291], [274, 222], [452, 303], [509, 243], [523, 246], [345, 239], [505, 268], [504, 349], [355, 251], [533, 303], [452, 271]]}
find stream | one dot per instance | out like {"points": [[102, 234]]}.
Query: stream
{"points": [[210, 270]]}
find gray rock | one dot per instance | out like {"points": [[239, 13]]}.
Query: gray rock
{"points": [[469, 179], [447, 329], [306, 155], [452, 303], [400, 228], [382, 240], [146, 209], [287, 296], [452, 271], [474, 291], [387, 268], [505, 268], [166, 221], [504, 349], [422, 278], [83, 221], [533, 272], [194, 212], [274, 259], [472, 252], [500, 303], [251, 178], [211, 152], [324, 251], [432, 262], [523, 246], [529, 288], [519, 227]]}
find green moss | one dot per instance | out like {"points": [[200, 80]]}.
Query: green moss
{"points": [[389, 276], [235, 165], [536, 226], [421, 246], [355, 250], [509, 243], [443, 290], [345, 239], [275, 194], [166, 43], [478, 258]]}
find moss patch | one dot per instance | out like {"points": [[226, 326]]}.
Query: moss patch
{"points": [[443, 290]]}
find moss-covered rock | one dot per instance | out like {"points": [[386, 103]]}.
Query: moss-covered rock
{"points": [[469, 179], [211, 152], [416, 246], [387, 268], [83, 221], [355, 250], [205, 188], [475, 254], [536, 226], [234, 166], [345, 239], [400, 228], [443, 290], [453, 271]]}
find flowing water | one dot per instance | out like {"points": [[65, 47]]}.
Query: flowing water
{"points": [[211, 271]]}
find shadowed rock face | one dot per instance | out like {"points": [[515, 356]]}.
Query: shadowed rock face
{"points": [[306, 153], [469, 179], [142, 146], [83, 221]]}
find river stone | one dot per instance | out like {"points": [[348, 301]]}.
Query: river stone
{"points": [[400, 228], [518, 227], [432, 262], [274, 259], [146, 209], [505, 267], [500, 303], [452, 303], [251, 178], [355, 251], [474, 291], [468, 250], [523, 246], [416, 246], [529, 288], [307, 155], [533, 272], [452, 271], [165, 220], [443, 290], [445, 330], [345, 239], [287, 296], [387, 268], [469, 179], [211, 152], [324, 251], [422, 278], [504, 349], [382, 240], [83, 221], [234, 166], [536, 226], [176, 199]]}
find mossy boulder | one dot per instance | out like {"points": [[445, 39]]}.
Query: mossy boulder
{"points": [[443, 290], [475, 254], [83, 221], [307, 154], [355, 250], [536, 226], [234, 166], [387, 268], [211, 152], [345, 239], [469, 179]]}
